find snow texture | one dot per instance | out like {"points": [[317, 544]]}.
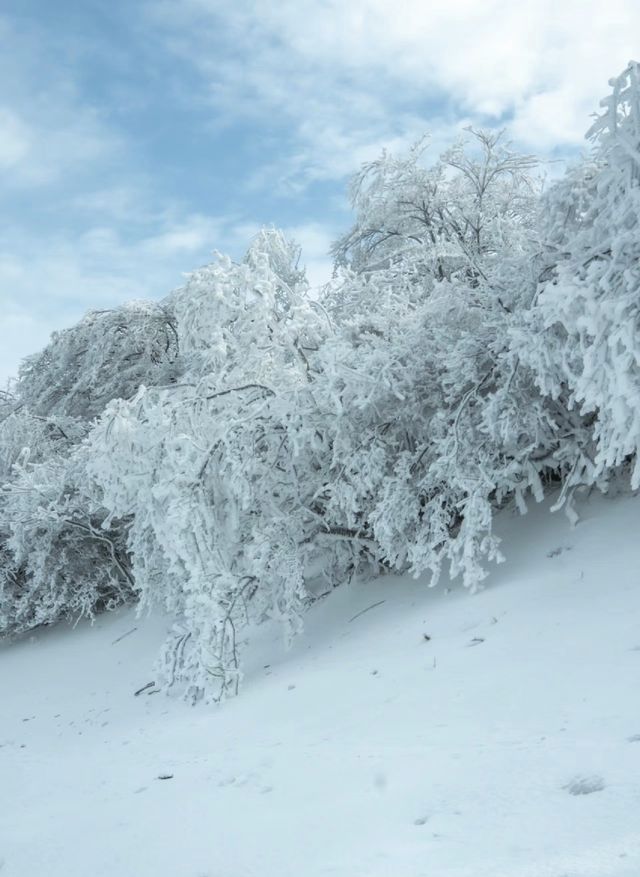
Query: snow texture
{"points": [[381, 745]]}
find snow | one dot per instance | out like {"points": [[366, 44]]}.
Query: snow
{"points": [[507, 744]]}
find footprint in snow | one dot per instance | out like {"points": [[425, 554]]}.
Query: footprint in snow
{"points": [[586, 785], [635, 738]]}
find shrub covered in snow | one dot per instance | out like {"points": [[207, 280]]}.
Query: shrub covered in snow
{"points": [[583, 334]]}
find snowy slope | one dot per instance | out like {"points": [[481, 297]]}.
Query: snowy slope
{"points": [[506, 745]]}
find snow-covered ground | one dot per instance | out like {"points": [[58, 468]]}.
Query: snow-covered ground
{"points": [[436, 734]]}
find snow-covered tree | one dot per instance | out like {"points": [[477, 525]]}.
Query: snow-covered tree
{"points": [[583, 336], [453, 219], [292, 444], [442, 422], [106, 355], [205, 469], [32, 448], [61, 558], [60, 555]]}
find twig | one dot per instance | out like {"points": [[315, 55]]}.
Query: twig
{"points": [[267, 390], [358, 614], [117, 640], [144, 688]]}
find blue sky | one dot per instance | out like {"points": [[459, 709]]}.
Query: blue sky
{"points": [[137, 137]]}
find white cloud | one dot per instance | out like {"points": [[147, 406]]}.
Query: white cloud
{"points": [[347, 76], [49, 132], [14, 139], [41, 147]]}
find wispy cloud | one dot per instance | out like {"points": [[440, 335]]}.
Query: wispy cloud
{"points": [[50, 134], [346, 76]]}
